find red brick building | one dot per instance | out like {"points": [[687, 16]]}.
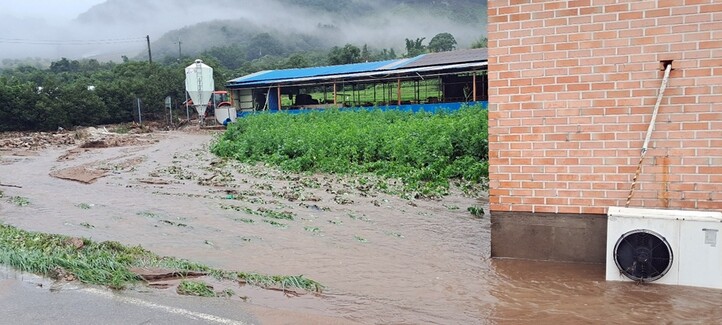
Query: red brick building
{"points": [[573, 85]]}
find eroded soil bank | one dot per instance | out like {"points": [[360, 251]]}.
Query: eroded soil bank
{"points": [[384, 259]]}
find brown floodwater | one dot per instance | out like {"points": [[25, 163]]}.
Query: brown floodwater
{"points": [[384, 259]]}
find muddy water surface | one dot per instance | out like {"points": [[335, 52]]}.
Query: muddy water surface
{"points": [[384, 259]]}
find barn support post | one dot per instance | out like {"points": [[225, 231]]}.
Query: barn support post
{"points": [[335, 95], [278, 93], [398, 92], [474, 86]]}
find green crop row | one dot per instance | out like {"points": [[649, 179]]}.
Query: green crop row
{"points": [[424, 150]]}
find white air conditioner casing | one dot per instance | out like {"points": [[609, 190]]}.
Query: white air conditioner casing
{"points": [[694, 238]]}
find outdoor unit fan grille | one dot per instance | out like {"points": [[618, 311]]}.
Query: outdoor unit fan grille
{"points": [[643, 255]]}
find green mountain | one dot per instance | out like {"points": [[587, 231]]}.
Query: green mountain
{"points": [[258, 28]]}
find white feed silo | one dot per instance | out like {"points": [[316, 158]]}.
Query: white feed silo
{"points": [[200, 86]]}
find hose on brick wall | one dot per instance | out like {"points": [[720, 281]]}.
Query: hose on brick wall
{"points": [[650, 129]]}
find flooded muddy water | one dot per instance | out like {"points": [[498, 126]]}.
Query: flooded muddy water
{"points": [[384, 259]]}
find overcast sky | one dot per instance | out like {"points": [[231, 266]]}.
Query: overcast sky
{"points": [[51, 11]]}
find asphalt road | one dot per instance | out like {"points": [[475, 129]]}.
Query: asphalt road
{"points": [[28, 299]]}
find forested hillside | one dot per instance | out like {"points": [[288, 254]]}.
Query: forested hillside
{"points": [[298, 25]]}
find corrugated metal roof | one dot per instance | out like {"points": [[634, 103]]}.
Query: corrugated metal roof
{"points": [[311, 72], [452, 57], [365, 75], [425, 62]]}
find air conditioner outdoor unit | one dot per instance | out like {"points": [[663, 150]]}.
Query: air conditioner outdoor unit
{"points": [[664, 246]]}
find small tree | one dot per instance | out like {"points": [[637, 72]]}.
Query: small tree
{"points": [[365, 53], [442, 42], [482, 42], [415, 47], [344, 55], [297, 61]]}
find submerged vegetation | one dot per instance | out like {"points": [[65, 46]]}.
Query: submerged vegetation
{"points": [[195, 288], [19, 201], [109, 263], [423, 150]]}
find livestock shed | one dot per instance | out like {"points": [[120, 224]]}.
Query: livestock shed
{"points": [[429, 81]]}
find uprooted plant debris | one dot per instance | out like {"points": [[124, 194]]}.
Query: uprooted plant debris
{"points": [[111, 264]]}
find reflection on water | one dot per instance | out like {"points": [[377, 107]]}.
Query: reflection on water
{"points": [[384, 260], [543, 292]]}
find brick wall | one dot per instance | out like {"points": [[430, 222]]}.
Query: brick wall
{"points": [[572, 89]]}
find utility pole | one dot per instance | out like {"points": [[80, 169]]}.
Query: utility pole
{"points": [[179, 49], [150, 57], [140, 115]]}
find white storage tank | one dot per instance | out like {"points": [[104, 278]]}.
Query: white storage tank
{"points": [[199, 85]]}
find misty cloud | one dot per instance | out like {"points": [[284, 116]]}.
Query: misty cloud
{"points": [[380, 25]]}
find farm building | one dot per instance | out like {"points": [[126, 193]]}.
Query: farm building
{"points": [[573, 90], [428, 81]]}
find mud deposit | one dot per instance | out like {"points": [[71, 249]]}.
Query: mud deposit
{"points": [[384, 259]]}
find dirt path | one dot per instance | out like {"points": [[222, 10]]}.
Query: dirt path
{"points": [[384, 259]]}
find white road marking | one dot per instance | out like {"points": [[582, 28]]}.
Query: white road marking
{"points": [[168, 309]]}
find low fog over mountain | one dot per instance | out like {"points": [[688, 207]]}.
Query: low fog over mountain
{"points": [[116, 28]]}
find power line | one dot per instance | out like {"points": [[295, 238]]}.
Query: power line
{"points": [[71, 42]]}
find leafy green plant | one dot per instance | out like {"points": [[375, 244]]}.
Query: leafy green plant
{"points": [[424, 150], [476, 211]]}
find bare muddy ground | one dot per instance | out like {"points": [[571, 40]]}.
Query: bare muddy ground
{"points": [[384, 259]]}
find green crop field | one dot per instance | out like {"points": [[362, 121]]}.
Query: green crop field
{"points": [[424, 150]]}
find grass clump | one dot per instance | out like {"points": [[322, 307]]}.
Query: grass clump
{"points": [[281, 282], [109, 263], [195, 288], [20, 201], [424, 150]]}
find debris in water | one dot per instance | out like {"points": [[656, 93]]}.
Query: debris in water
{"points": [[85, 206], [312, 229], [87, 225]]}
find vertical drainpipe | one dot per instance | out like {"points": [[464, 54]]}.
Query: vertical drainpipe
{"points": [[474, 86], [398, 92], [278, 97]]}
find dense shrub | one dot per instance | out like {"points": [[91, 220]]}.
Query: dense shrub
{"points": [[424, 150]]}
